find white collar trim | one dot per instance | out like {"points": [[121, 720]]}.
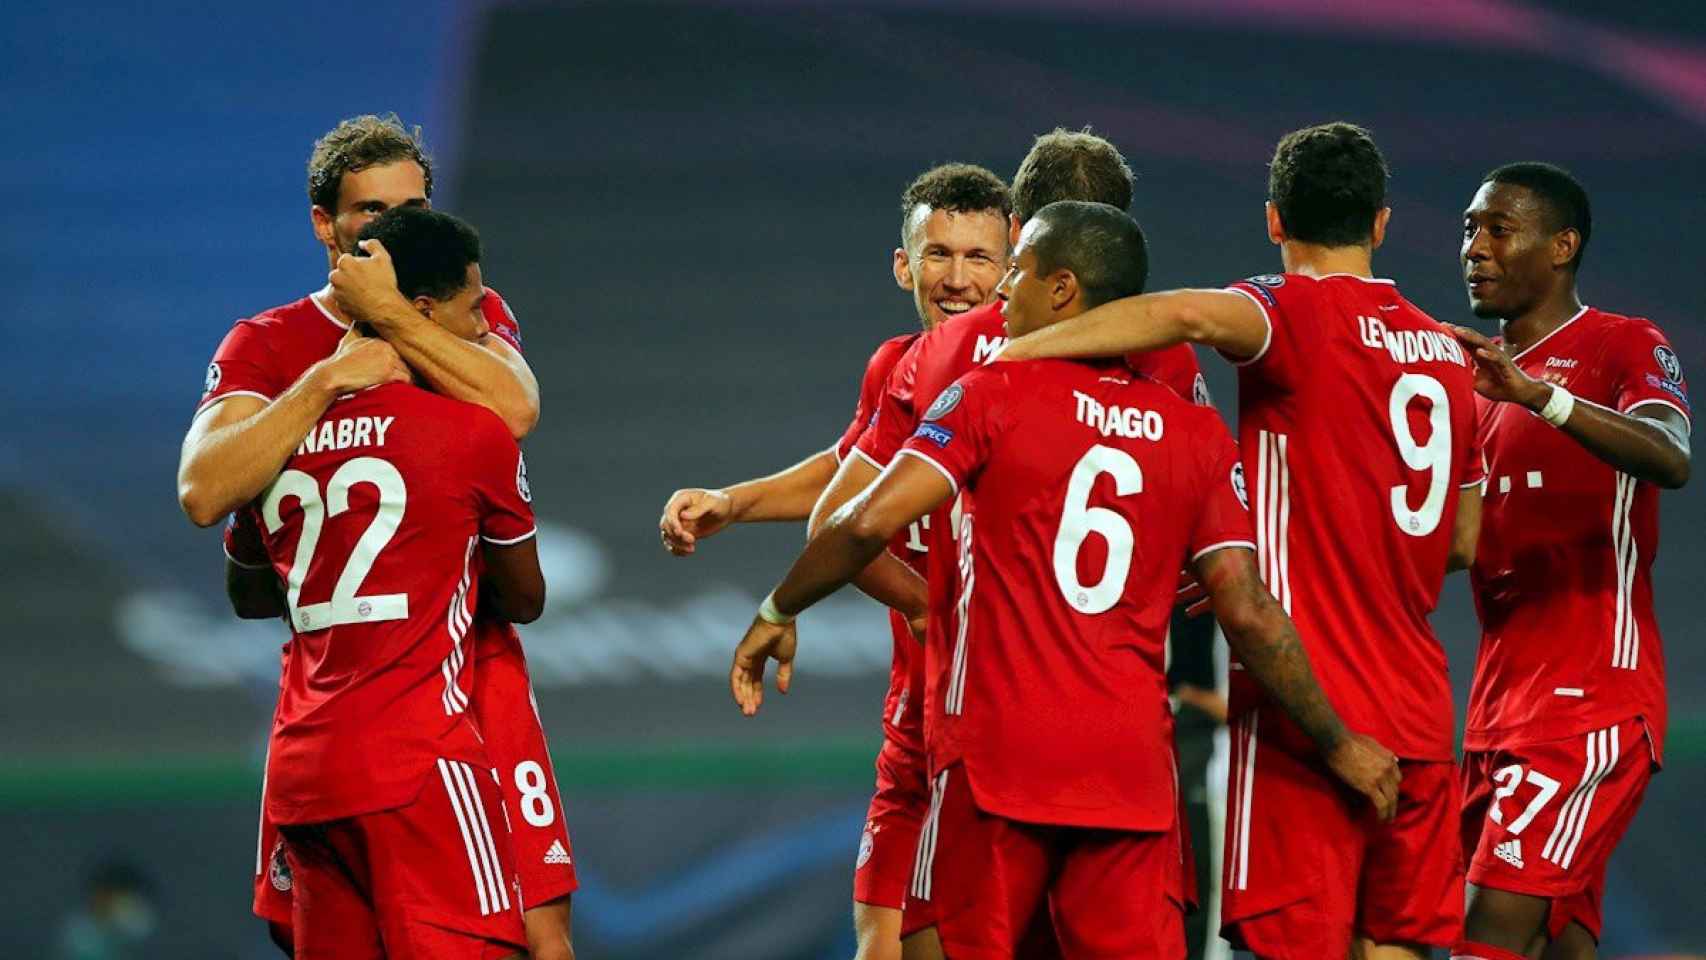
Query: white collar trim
{"points": [[1355, 277], [329, 315], [1585, 308]]}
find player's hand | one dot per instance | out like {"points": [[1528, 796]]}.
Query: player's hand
{"points": [[1497, 377], [366, 286], [361, 362], [764, 641], [1370, 769], [691, 514], [1208, 702]]}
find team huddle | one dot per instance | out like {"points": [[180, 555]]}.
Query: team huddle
{"points": [[1031, 484]]}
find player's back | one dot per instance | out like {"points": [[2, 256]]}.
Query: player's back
{"points": [[1083, 490], [373, 527], [1356, 422]]}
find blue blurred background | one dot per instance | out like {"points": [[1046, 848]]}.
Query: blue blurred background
{"points": [[691, 208]]}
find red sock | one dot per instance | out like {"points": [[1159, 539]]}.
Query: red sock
{"points": [[1471, 950]]}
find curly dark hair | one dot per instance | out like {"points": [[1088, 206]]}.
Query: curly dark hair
{"points": [[1328, 183], [956, 187], [1563, 196], [356, 144], [430, 250], [1070, 165]]}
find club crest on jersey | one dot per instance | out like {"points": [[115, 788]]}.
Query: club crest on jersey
{"points": [[278, 868], [213, 375], [867, 843], [1238, 486], [521, 485], [935, 433], [1269, 280], [1669, 365], [945, 403]]}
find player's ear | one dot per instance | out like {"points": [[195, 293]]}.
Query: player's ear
{"points": [[1276, 229], [1378, 237], [324, 229], [1565, 243], [1014, 228], [902, 269], [1063, 289], [425, 305]]}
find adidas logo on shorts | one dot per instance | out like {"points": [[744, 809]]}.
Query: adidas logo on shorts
{"points": [[558, 854], [1510, 852]]}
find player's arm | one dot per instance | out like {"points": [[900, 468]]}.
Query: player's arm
{"points": [[237, 446], [1465, 529], [513, 585], [255, 592], [852, 537], [487, 371], [1228, 321], [886, 579], [1266, 643], [694, 513], [1649, 443]]}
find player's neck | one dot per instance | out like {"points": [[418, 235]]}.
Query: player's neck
{"points": [[324, 298], [1526, 329], [1314, 260]]}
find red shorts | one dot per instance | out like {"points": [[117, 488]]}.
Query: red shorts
{"points": [[1106, 893], [1543, 818], [884, 867], [431, 879], [272, 872], [508, 718], [1308, 864]]}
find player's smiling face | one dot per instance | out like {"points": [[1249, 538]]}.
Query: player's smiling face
{"points": [[1508, 250], [952, 261], [365, 194]]}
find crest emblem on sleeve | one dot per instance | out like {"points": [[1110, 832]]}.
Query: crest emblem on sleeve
{"points": [[521, 485], [213, 375], [1199, 392], [945, 403], [1667, 360], [1269, 280], [1238, 485]]}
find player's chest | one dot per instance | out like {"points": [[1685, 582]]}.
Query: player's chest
{"points": [[1577, 365]]}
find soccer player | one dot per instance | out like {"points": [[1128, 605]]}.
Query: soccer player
{"points": [[1356, 418], [1061, 165], [1086, 489], [1585, 416], [376, 773], [272, 378], [953, 252]]}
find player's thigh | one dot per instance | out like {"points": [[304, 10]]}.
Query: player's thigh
{"points": [[1412, 877], [1294, 847], [515, 742], [331, 912], [1559, 810], [888, 848], [877, 932], [443, 869], [986, 875], [1116, 895]]}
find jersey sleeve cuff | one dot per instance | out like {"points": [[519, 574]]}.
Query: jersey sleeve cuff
{"points": [[1223, 545], [944, 471], [1656, 401], [213, 401], [868, 458], [496, 542], [1267, 339], [246, 566]]}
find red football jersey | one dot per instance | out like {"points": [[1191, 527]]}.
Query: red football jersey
{"points": [[871, 387], [1563, 576], [1085, 490], [373, 527], [1357, 421], [263, 355]]}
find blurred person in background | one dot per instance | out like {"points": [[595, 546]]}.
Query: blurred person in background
{"points": [[1584, 417], [953, 252], [116, 918]]}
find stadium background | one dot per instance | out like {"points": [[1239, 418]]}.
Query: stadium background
{"points": [[691, 207]]}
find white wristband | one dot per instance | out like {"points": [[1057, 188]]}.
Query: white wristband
{"points": [[769, 614], [1558, 406]]}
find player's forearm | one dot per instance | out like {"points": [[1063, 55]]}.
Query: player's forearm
{"points": [[1266, 643], [226, 467], [1639, 447], [890, 582], [835, 555], [787, 495], [1130, 325], [486, 372]]}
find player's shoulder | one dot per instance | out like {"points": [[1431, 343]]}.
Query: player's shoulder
{"points": [[889, 352], [305, 311], [495, 307], [1605, 322], [982, 330]]}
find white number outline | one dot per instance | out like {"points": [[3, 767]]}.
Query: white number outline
{"points": [[1509, 779], [345, 606]]}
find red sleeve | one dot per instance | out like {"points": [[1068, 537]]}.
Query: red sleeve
{"points": [[244, 544], [1223, 520], [895, 416], [501, 319], [500, 483], [1277, 295], [955, 435], [871, 388], [241, 366], [1175, 368], [1474, 473], [1644, 369]]}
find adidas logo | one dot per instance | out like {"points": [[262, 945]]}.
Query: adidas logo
{"points": [[1510, 852], [558, 853]]}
